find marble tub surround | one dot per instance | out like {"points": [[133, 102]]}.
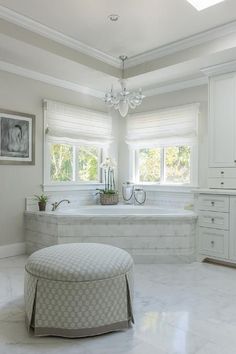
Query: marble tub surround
{"points": [[179, 309], [161, 238], [170, 198], [76, 198]]}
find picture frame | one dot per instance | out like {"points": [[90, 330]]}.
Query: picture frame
{"points": [[17, 138]]}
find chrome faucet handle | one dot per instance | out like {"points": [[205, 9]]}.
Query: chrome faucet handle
{"points": [[54, 206]]}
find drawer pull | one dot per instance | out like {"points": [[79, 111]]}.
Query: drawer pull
{"points": [[212, 243], [222, 183], [222, 172], [212, 220], [212, 203], [235, 161]]}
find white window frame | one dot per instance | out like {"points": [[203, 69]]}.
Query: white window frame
{"points": [[142, 132], [103, 144], [134, 168], [49, 185]]}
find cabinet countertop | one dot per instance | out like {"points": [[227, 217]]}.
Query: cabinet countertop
{"points": [[214, 191]]}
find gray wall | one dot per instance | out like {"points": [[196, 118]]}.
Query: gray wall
{"points": [[17, 182]]}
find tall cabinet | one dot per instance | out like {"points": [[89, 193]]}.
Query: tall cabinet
{"points": [[222, 131], [216, 205]]}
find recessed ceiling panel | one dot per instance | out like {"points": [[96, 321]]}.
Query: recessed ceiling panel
{"points": [[204, 4], [141, 26]]}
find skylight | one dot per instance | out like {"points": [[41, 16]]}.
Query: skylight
{"points": [[203, 4]]}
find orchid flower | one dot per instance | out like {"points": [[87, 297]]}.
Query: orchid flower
{"points": [[108, 163]]}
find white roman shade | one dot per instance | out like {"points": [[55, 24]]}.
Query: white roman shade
{"points": [[176, 125], [77, 123]]}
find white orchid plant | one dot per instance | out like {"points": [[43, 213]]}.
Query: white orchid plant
{"points": [[108, 166]]}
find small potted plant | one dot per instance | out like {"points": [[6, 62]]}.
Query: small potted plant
{"points": [[108, 195], [42, 201]]}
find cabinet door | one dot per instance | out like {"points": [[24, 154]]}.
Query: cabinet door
{"points": [[213, 243], [232, 236], [222, 117], [211, 202], [213, 219]]}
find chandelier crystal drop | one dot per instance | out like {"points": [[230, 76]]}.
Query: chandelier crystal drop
{"points": [[124, 99]]}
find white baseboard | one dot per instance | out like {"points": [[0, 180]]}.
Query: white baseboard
{"points": [[14, 249]]}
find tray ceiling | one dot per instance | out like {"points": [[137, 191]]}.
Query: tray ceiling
{"points": [[143, 25]]}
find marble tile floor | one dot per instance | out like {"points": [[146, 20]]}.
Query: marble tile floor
{"points": [[179, 309]]}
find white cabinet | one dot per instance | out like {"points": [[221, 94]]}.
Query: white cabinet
{"points": [[222, 121], [213, 219], [218, 183], [222, 178], [213, 202], [232, 248], [217, 226], [213, 243]]}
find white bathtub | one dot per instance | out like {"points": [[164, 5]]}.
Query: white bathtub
{"points": [[150, 234], [124, 210]]}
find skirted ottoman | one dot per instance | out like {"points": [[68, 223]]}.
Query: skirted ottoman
{"points": [[78, 290]]}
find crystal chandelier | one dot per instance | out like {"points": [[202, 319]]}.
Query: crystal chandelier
{"points": [[124, 99]]}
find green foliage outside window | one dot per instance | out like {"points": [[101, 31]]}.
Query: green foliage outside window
{"points": [[173, 163], [61, 163], [150, 165], [63, 167], [177, 164], [87, 163]]}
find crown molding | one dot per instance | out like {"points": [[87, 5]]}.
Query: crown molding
{"points": [[181, 85], [186, 43], [218, 69], [34, 75], [47, 32], [30, 74]]}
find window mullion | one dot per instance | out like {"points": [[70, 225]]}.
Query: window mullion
{"points": [[75, 167], [100, 159], [162, 166], [137, 163]]}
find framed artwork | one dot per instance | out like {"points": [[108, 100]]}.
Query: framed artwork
{"points": [[17, 138]]}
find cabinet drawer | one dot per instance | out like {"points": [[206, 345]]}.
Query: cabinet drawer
{"points": [[222, 173], [213, 242], [214, 220], [213, 202], [222, 183]]}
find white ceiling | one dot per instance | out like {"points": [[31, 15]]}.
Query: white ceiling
{"points": [[143, 24], [30, 46]]}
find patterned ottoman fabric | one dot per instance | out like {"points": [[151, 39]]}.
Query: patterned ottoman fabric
{"points": [[78, 290]]}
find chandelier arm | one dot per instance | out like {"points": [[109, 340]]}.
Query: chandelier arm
{"points": [[124, 99]]}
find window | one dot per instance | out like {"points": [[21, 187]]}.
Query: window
{"points": [[168, 165], [163, 146], [70, 163], [75, 140], [149, 165], [61, 166], [177, 164], [88, 161]]}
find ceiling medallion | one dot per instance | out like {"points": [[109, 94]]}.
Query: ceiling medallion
{"points": [[124, 99]]}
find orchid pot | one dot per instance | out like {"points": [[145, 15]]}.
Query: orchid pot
{"points": [[109, 195]]}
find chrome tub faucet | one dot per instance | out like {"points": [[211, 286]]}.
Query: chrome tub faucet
{"points": [[56, 204]]}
